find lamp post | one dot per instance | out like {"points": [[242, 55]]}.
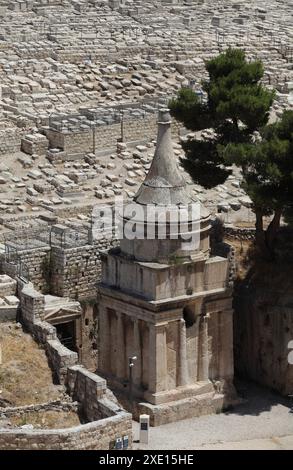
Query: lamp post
{"points": [[131, 361]]}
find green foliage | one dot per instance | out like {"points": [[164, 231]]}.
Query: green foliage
{"points": [[234, 91], [237, 109], [88, 302], [268, 166], [204, 162], [188, 109], [237, 105]]}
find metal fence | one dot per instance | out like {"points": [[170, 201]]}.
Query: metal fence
{"points": [[94, 117], [66, 237]]}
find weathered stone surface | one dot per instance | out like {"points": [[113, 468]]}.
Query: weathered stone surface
{"points": [[169, 307]]}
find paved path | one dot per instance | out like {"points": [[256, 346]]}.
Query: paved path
{"points": [[263, 422]]}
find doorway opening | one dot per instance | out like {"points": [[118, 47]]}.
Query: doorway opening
{"points": [[66, 335]]}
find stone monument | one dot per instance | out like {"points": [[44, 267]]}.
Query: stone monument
{"points": [[167, 302]]}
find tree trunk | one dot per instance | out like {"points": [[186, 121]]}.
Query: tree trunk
{"points": [[273, 229], [259, 231], [236, 128]]}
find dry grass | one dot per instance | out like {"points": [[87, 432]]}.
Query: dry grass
{"points": [[48, 419], [25, 377]]}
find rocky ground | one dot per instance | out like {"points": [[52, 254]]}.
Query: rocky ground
{"points": [[26, 379], [31, 190], [67, 54], [62, 60]]}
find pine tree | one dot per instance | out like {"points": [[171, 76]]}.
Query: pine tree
{"points": [[237, 110], [267, 166]]}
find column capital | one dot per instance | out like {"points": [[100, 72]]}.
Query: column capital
{"points": [[158, 326]]}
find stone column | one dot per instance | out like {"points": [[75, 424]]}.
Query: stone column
{"points": [[137, 352], [157, 358], [183, 366], [120, 347], [104, 340], [203, 373], [197, 347], [226, 364]]}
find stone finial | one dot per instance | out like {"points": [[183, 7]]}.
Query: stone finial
{"points": [[164, 183], [164, 116]]}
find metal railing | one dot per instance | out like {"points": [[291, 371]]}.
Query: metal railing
{"points": [[94, 117]]}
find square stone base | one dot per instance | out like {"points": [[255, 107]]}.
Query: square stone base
{"points": [[204, 404], [179, 393], [191, 402]]}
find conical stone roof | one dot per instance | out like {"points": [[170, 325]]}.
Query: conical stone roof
{"points": [[164, 183]]}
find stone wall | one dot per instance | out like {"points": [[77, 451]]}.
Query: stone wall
{"points": [[11, 269], [238, 233], [57, 405], [7, 286], [32, 313], [202, 405], [107, 420], [88, 354], [67, 272], [10, 140], [263, 327], [87, 388], [76, 271], [104, 137], [73, 210], [34, 262], [34, 144], [60, 358], [97, 435], [32, 304]]}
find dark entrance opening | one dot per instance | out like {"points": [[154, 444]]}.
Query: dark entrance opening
{"points": [[189, 316], [66, 335]]}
